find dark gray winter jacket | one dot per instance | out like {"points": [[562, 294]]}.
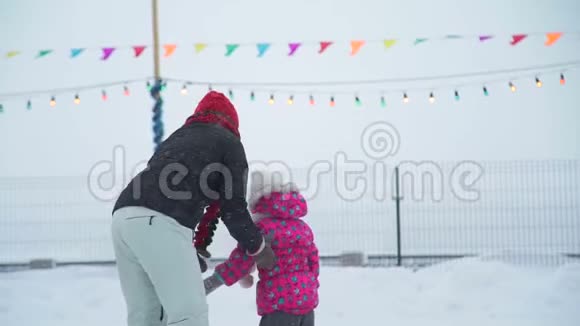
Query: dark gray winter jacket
{"points": [[197, 164]]}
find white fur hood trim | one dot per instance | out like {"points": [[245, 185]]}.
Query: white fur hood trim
{"points": [[264, 183]]}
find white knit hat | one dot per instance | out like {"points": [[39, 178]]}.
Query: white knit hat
{"points": [[264, 183]]}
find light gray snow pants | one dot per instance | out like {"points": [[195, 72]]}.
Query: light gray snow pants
{"points": [[158, 269]]}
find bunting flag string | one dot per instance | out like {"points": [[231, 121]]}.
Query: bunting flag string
{"points": [[230, 48], [314, 90], [324, 46], [552, 38], [138, 50], [169, 49], [76, 52], [517, 38], [199, 47], [262, 48], [107, 52], [548, 39], [355, 46], [293, 48]]}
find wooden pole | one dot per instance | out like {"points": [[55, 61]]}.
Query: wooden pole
{"points": [[156, 68], [157, 87]]}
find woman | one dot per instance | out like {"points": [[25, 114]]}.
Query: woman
{"points": [[202, 163]]}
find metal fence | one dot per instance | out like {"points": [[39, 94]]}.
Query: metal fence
{"points": [[521, 211]]}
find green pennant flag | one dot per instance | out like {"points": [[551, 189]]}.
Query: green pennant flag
{"points": [[420, 40], [230, 48], [43, 53]]}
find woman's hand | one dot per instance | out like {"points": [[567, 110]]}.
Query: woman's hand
{"points": [[266, 258]]}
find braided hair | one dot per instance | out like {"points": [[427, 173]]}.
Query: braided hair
{"points": [[206, 228]]}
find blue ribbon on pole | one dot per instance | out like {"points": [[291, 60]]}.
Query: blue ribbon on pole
{"points": [[158, 130]]}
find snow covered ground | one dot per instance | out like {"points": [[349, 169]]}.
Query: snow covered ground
{"points": [[463, 292]]}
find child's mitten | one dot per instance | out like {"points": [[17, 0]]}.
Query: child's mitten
{"points": [[247, 281], [211, 283]]}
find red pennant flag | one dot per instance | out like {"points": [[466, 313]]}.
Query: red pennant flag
{"points": [[552, 38], [107, 53], [138, 50], [324, 46], [517, 38]]}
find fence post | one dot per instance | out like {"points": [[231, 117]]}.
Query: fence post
{"points": [[397, 199]]}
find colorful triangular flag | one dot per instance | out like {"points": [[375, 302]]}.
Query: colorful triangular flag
{"points": [[420, 40], [230, 48], [483, 38], [517, 38], [138, 50], [355, 46], [107, 52], [262, 48], [12, 54], [389, 43], [552, 38], [199, 47], [324, 46], [42, 53], [76, 52], [169, 49], [293, 48]]}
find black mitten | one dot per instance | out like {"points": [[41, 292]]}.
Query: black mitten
{"points": [[202, 263]]}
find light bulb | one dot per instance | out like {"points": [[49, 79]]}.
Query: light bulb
{"points": [[252, 96], [485, 92], [562, 80], [332, 102], [311, 100], [77, 99], [52, 101], [431, 98], [231, 94], [457, 95], [184, 90], [512, 87], [291, 100], [383, 101], [357, 101], [271, 100], [538, 82], [103, 95], [405, 98], [126, 90]]}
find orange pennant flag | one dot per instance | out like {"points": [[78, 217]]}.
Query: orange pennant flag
{"points": [[169, 49], [389, 43], [199, 47], [355, 46], [552, 38]]}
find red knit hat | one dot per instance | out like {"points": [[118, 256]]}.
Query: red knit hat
{"points": [[215, 107]]}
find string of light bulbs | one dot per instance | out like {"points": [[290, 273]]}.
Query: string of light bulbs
{"points": [[535, 72]]}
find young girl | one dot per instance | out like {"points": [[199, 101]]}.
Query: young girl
{"points": [[287, 294]]}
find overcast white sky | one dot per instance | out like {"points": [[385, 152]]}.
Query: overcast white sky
{"points": [[68, 139]]}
